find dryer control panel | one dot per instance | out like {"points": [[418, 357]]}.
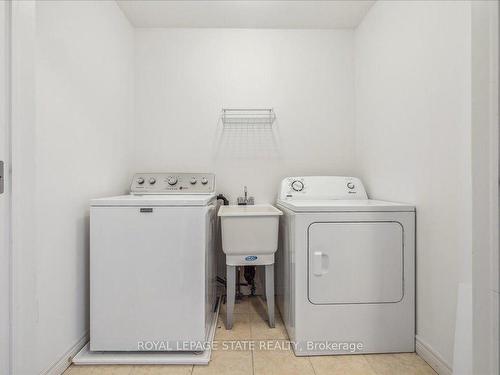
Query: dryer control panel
{"points": [[322, 188], [173, 183]]}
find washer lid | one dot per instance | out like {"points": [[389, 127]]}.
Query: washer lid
{"points": [[154, 200], [339, 205]]}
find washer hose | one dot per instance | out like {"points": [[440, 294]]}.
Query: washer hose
{"points": [[223, 198]]}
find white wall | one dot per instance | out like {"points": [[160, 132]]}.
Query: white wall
{"points": [[413, 141], [23, 252], [81, 135], [5, 196], [485, 209], [185, 76]]}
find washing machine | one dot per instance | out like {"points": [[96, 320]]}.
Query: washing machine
{"points": [[345, 268], [152, 265]]}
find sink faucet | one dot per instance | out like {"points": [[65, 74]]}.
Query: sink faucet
{"points": [[245, 200]]}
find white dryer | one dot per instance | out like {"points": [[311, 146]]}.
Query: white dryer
{"points": [[346, 268], [152, 265]]}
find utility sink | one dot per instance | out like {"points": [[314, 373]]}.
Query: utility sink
{"points": [[249, 233], [249, 237]]}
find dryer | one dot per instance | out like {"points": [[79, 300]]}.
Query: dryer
{"points": [[345, 268], [152, 265]]}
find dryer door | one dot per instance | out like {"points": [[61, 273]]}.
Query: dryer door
{"points": [[355, 262]]}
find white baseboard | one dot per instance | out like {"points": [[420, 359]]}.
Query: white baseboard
{"points": [[433, 358], [63, 363]]}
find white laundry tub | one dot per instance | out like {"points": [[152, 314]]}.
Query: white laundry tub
{"points": [[249, 233]]}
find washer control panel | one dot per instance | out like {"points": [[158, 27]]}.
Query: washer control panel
{"points": [[173, 183], [322, 188]]}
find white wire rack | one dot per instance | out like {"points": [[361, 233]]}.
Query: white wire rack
{"points": [[248, 118]]}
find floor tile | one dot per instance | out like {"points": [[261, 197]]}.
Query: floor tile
{"points": [[240, 306], [240, 330], [99, 370], [274, 357], [341, 365], [260, 329], [396, 364], [258, 305], [249, 304], [79, 370], [226, 362], [162, 370], [280, 362]]}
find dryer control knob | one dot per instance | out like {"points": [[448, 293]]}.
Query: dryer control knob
{"points": [[297, 185], [204, 181], [140, 180], [172, 180], [152, 181], [350, 185], [193, 180]]}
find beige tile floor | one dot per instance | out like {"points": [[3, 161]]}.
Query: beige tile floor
{"points": [[238, 357]]}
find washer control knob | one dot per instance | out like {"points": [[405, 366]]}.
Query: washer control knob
{"points": [[204, 181], [140, 180], [350, 185], [193, 180], [172, 180], [297, 185], [152, 180]]}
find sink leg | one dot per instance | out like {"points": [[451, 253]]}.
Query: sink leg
{"points": [[270, 293], [230, 294]]}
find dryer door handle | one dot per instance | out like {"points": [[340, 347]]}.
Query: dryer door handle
{"points": [[320, 263]]}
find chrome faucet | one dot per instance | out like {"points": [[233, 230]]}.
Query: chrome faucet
{"points": [[245, 200]]}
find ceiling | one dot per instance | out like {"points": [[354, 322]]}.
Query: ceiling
{"points": [[272, 14]]}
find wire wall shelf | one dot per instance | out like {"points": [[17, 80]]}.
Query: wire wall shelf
{"points": [[248, 118]]}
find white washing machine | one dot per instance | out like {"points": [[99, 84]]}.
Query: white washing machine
{"points": [[346, 268], [152, 265]]}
